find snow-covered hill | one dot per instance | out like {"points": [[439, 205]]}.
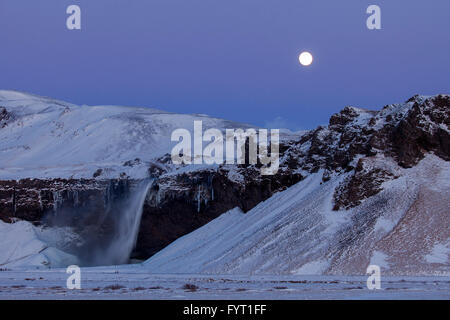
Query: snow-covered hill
{"points": [[46, 138], [404, 229], [25, 245]]}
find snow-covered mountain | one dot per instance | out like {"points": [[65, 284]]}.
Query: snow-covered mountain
{"points": [[369, 188], [45, 138]]}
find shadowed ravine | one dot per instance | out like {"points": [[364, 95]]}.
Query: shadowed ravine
{"points": [[104, 236]]}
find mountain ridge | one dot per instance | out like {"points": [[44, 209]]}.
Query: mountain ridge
{"points": [[45, 138]]}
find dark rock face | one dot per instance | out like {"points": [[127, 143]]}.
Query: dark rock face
{"points": [[407, 137], [33, 199], [363, 184], [424, 128], [331, 148], [403, 132], [179, 204], [4, 117], [422, 131]]}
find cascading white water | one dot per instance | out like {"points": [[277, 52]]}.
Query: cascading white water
{"points": [[127, 227]]}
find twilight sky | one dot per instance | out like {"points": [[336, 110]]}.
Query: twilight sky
{"points": [[236, 59]]}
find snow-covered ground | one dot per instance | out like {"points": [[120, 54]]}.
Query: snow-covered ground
{"points": [[134, 282]]}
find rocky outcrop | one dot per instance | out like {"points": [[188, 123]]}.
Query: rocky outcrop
{"points": [[180, 203], [365, 182], [404, 132], [424, 129], [4, 117], [35, 199]]}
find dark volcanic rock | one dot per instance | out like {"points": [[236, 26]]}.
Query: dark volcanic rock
{"points": [[4, 117], [179, 204], [405, 132], [362, 184], [422, 131], [32, 199]]}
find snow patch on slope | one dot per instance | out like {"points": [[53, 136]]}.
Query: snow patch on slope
{"points": [[22, 246], [439, 253]]}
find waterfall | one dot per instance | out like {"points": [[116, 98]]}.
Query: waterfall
{"points": [[57, 201], [128, 219]]}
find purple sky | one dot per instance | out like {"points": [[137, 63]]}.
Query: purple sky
{"points": [[235, 59]]}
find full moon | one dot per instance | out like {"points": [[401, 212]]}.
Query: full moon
{"points": [[305, 58]]}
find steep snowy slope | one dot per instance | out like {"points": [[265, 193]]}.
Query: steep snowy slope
{"points": [[404, 229], [42, 137], [24, 245]]}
